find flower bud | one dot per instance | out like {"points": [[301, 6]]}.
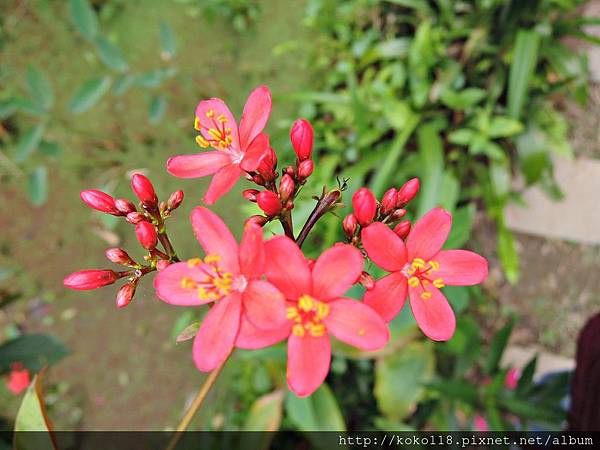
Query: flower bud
{"points": [[146, 235], [269, 202], [258, 179], [125, 295], [365, 206], [256, 219], [162, 264], [350, 224], [135, 217], [402, 229], [100, 201], [124, 205], [286, 187], [398, 214], [142, 187], [119, 256], [408, 191], [302, 137], [367, 281], [289, 170], [250, 195], [175, 200], [267, 165], [389, 200], [305, 169], [90, 279]]}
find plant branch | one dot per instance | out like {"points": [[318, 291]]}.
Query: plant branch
{"points": [[286, 223], [324, 205]]}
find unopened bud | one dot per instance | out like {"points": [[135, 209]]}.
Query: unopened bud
{"points": [[175, 200], [289, 205], [124, 205], [305, 169], [135, 217], [250, 195], [258, 179], [100, 201], [286, 187], [90, 279], [302, 137], [350, 224], [289, 170], [119, 256], [269, 202], [389, 200], [365, 206], [257, 219], [268, 164], [142, 187], [367, 281], [125, 295], [146, 235], [162, 264], [402, 229], [408, 191], [398, 214]]}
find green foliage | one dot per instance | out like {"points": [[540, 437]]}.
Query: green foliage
{"points": [[319, 412], [33, 351]]}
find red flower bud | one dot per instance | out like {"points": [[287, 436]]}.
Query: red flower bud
{"points": [[286, 187], [402, 229], [175, 200], [119, 256], [350, 224], [389, 200], [146, 235], [367, 281], [408, 191], [305, 169], [302, 137], [100, 201], [269, 202], [289, 170], [125, 295], [365, 206], [135, 217], [142, 187], [267, 165], [250, 195], [124, 205], [256, 219], [90, 279], [162, 264], [398, 214]]}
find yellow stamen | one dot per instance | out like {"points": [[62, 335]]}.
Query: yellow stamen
{"points": [[434, 265], [439, 283], [322, 310], [298, 330], [425, 295], [317, 329], [292, 312], [222, 118], [202, 142], [193, 262], [418, 263], [188, 283], [305, 303], [197, 125], [209, 259], [210, 113], [413, 281]]}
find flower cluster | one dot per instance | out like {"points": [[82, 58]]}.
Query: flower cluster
{"points": [[263, 292]]}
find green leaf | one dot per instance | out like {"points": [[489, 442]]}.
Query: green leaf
{"points": [[28, 106], [526, 379], [88, 94], [319, 412], [463, 136], [50, 148], [84, 18], [188, 332], [8, 108], [462, 223], [463, 391], [525, 56], [167, 41], [400, 379], [504, 127], [28, 142], [265, 414], [157, 108], [500, 178], [39, 87], [122, 84], [463, 99], [431, 156], [110, 54], [37, 186], [507, 251], [499, 342], [34, 351]]}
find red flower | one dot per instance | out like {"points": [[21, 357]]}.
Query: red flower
{"points": [[229, 276], [316, 307], [365, 206], [236, 149], [421, 268], [18, 379], [90, 279]]}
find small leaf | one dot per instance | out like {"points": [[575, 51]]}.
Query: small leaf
{"points": [[507, 251], [40, 88], [28, 107], [167, 41], [188, 332], [463, 99], [84, 18], [319, 412], [37, 186], [122, 84], [497, 347], [110, 54], [157, 108], [504, 127], [463, 136], [431, 155], [29, 142], [265, 414], [88, 94], [34, 351], [462, 222], [49, 148], [7, 108]]}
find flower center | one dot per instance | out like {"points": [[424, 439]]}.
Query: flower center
{"points": [[219, 132], [421, 274], [215, 283], [307, 316]]}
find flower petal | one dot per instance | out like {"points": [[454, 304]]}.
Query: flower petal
{"points": [[208, 113], [433, 315], [429, 234], [256, 113], [168, 285], [215, 238], [198, 165], [384, 247], [335, 271], [218, 333], [388, 296], [255, 152], [356, 324], [252, 252], [264, 305], [287, 268], [222, 183], [251, 338], [461, 267], [308, 363]]}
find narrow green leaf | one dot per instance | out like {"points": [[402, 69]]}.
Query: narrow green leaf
{"points": [[319, 412], [188, 332], [84, 18], [526, 379], [167, 41], [463, 99], [507, 251], [50, 148], [110, 54], [504, 127], [39, 87], [88, 94], [431, 156], [27, 106], [497, 347], [265, 414], [157, 108], [525, 56], [7, 108], [463, 136], [37, 186], [34, 351], [28, 142]]}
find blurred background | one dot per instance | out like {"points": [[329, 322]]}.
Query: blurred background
{"points": [[493, 103]]}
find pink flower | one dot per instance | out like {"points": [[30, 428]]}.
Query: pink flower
{"points": [[512, 378], [480, 424], [365, 206], [18, 379], [421, 268], [316, 308], [90, 279], [236, 149], [229, 276]]}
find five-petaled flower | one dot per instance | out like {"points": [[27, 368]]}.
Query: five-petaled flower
{"points": [[237, 149], [229, 276], [316, 307], [421, 268]]}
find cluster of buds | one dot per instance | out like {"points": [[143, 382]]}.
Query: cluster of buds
{"points": [[149, 221]]}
